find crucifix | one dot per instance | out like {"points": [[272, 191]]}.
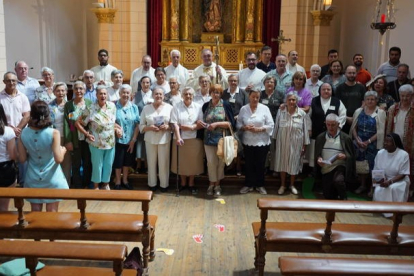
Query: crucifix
{"points": [[281, 39]]}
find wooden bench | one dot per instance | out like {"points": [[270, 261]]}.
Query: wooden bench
{"points": [[33, 250], [291, 266], [332, 237], [80, 225]]}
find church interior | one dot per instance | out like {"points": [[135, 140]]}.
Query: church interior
{"points": [[66, 36]]}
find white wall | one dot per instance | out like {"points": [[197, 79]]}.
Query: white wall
{"points": [[352, 26], [49, 33]]}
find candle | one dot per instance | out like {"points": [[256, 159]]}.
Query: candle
{"points": [[382, 18], [241, 66]]}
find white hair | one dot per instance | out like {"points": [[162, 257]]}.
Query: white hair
{"points": [[176, 52], [317, 66], [406, 88], [332, 117]]}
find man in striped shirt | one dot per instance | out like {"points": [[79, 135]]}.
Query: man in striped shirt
{"points": [[335, 155]]}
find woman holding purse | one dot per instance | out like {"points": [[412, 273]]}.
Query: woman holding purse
{"points": [[217, 116]]}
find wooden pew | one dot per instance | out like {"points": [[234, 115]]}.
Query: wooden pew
{"points": [[80, 225], [32, 251], [330, 237], [291, 266]]}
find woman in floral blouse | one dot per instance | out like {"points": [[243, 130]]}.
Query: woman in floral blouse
{"points": [[45, 92], [100, 120]]}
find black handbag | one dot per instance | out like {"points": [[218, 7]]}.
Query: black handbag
{"points": [[8, 173]]}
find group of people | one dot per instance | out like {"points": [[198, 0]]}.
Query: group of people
{"points": [[340, 120]]}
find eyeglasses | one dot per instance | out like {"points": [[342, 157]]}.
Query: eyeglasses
{"points": [[11, 81]]}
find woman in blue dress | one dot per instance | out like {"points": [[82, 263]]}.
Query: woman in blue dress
{"points": [[39, 145], [367, 130]]}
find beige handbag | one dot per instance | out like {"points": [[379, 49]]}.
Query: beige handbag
{"points": [[362, 167], [227, 147]]}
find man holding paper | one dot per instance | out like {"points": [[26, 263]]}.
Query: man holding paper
{"points": [[335, 155]]}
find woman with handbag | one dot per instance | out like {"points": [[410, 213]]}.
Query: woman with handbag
{"points": [[367, 130], [256, 121], [7, 156], [217, 117]]}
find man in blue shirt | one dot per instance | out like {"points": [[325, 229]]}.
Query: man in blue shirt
{"points": [[89, 78]]}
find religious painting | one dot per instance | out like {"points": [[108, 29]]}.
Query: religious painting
{"points": [[211, 16]]}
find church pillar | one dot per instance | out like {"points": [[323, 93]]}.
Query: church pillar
{"points": [[259, 21], [185, 25], [174, 21], [237, 19], [165, 21], [250, 24]]}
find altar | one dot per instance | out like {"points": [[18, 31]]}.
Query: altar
{"points": [[193, 25]]}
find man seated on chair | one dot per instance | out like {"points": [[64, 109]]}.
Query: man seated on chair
{"points": [[335, 155]]}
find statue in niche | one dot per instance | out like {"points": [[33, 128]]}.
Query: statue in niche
{"points": [[213, 15]]}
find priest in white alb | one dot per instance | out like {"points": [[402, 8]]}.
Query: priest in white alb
{"points": [[175, 69], [208, 68], [251, 77]]}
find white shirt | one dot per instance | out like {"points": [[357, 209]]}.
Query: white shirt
{"points": [[260, 118], [399, 121], [180, 72], [113, 94], [211, 71], [200, 99], [14, 107], [295, 68], [326, 104], [183, 115], [255, 76], [137, 74], [148, 117], [4, 139], [147, 97], [103, 73], [165, 87], [313, 88]]}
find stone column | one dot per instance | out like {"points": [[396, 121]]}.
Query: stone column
{"points": [[185, 25], [174, 21], [237, 22], [258, 21], [250, 22], [165, 22]]}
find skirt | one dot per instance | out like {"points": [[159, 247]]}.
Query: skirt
{"points": [[190, 155]]}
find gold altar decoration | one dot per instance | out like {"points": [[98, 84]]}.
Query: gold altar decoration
{"points": [[105, 15], [322, 18], [184, 29]]}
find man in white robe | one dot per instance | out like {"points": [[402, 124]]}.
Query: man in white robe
{"points": [[175, 69], [208, 68], [251, 77], [103, 71], [144, 70], [293, 65]]}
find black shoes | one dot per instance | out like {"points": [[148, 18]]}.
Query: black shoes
{"points": [[127, 186]]}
